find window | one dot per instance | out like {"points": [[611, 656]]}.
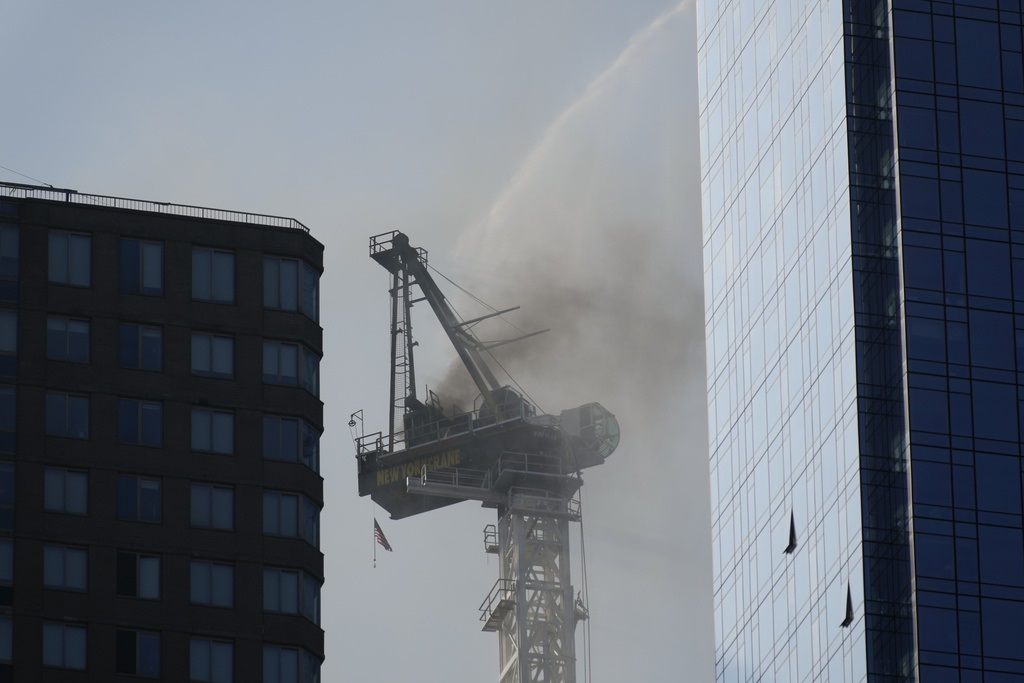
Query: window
{"points": [[140, 347], [142, 267], [64, 646], [67, 339], [213, 430], [67, 415], [291, 364], [6, 495], [65, 567], [70, 258], [8, 342], [291, 592], [6, 572], [9, 262], [138, 653], [138, 576], [291, 515], [286, 438], [66, 491], [213, 506], [213, 355], [289, 665], [213, 584], [139, 422], [210, 660], [8, 419], [138, 498], [291, 285], [213, 275]]}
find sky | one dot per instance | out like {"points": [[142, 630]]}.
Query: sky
{"points": [[544, 153]]}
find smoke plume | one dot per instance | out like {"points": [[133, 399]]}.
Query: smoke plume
{"points": [[597, 237]]}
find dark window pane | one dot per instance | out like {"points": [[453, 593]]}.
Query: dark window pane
{"points": [[932, 483], [913, 59], [1001, 550], [917, 128], [929, 411], [127, 501], [127, 578], [919, 197], [131, 269], [985, 199], [977, 53], [1002, 628], [998, 479], [995, 410], [934, 556], [926, 339], [981, 128], [988, 268], [936, 629], [992, 342]]}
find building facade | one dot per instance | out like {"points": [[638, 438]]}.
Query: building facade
{"points": [[863, 185], [159, 442]]}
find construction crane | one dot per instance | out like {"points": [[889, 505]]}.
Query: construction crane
{"points": [[502, 454]]}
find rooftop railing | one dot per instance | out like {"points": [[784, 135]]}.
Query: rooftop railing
{"points": [[56, 194]]}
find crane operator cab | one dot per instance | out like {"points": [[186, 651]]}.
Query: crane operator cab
{"points": [[593, 433]]}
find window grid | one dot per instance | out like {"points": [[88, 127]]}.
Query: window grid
{"points": [[142, 265], [64, 646], [67, 415], [291, 285], [65, 567], [213, 506], [211, 661], [140, 422], [213, 275], [213, 431], [212, 583], [138, 653], [138, 575], [70, 258], [67, 339], [140, 347], [66, 491], [138, 498], [213, 355]]}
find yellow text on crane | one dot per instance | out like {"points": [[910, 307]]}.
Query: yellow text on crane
{"points": [[397, 473]]}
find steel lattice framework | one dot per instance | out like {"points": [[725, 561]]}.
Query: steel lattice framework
{"points": [[537, 636]]}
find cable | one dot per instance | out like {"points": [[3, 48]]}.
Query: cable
{"points": [[26, 176], [485, 350], [477, 299], [587, 649]]}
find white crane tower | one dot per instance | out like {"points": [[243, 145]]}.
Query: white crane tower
{"points": [[503, 454]]}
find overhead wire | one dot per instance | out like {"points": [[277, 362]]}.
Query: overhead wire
{"points": [[26, 176], [483, 348]]}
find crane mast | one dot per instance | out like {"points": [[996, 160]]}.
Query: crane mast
{"points": [[502, 454]]}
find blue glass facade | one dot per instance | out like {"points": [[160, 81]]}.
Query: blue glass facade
{"points": [[863, 197]]}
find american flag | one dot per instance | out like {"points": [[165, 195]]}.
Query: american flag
{"points": [[379, 535]]}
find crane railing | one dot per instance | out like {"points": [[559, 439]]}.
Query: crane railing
{"points": [[448, 427]]}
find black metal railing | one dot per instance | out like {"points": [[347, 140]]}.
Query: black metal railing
{"points": [[55, 194]]}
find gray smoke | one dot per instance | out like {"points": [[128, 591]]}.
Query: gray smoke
{"points": [[597, 237]]}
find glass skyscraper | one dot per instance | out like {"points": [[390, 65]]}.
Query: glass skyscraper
{"points": [[863, 199]]}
